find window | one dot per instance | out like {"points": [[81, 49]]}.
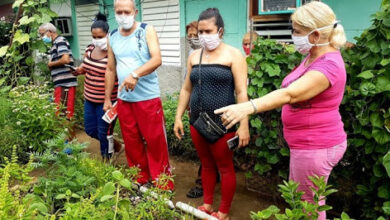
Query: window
{"points": [[64, 25]]}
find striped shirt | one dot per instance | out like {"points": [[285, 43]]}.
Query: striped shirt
{"points": [[94, 78], [61, 75]]}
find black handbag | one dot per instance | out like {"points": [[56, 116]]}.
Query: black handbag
{"points": [[204, 124]]}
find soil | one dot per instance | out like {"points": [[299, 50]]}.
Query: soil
{"points": [[185, 173]]}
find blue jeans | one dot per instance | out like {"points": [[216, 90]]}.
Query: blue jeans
{"points": [[96, 127]]}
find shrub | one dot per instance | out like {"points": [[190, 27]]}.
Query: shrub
{"points": [[299, 210], [269, 63], [366, 115], [33, 114], [184, 147]]}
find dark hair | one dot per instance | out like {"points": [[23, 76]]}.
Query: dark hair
{"points": [[100, 22], [212, 13]]}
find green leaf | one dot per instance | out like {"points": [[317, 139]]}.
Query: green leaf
{"points": [[17, 3], [273, 159], [376, 120], [384, 62], [345, 216], [386, 207], [381, 136], [125, 183], [284, 151], [366, 74], [367, 88], [324, 208], [23, 80], [117, 175], [386, 163], [26, 20], [39, 206], [382, 84], [3, 50], [60, 196], [21, 37], [109, 188], [106, 197], [384, 191]]}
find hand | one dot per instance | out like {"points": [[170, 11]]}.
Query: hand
{"points": [[79, 71], [178, 129], [129, 83], [50, 65], [107, 105], [233, 114], [243, 135]]}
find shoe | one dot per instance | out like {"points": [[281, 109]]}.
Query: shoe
{"points": [[203, 209], [195, 192], [215, 215]]}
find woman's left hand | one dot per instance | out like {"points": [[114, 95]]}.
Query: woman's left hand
{"points": [[233, 114], [243, 135]]}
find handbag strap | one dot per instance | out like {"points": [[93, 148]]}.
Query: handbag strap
{"points": [[200, 81]]}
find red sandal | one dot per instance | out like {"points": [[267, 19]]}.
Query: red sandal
{"points": [[215, 214], [203, 209]]}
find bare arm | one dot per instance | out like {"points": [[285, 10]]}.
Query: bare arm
{"points": [[153, 63], [109, 77], [240, 74], [308, 86], [65, 59], [184, 98], [155, 54], [185, 92]]}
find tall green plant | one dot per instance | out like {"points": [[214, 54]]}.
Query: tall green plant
{"points": [[366, 115], [269, 63], [18, 62]]}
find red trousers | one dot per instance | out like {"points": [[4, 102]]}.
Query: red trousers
{"points": [[216, 156], [145, 119], [65, 96]]}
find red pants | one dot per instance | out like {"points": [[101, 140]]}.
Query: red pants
{"points": [[216, 156], [145, 119], [65, 96]]}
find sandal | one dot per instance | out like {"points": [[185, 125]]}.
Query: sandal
{"points": [[215, 215], [203, 209], [195, 192]]}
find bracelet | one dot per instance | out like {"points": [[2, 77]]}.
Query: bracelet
{"points": [[253, 105]]}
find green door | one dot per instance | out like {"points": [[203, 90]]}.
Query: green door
{"points": [[234, 14]]}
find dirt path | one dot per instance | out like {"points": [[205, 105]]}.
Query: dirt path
{"points": [[185, 174]]}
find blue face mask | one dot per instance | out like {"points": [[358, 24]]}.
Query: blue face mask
{"points": [[46, 39]]}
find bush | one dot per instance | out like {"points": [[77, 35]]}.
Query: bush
{"points": [[33, 118], [366, 115], [299, 210], [269, 63], [183, 148]]}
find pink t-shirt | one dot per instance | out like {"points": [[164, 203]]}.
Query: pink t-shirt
{"points": [[316, 123]]}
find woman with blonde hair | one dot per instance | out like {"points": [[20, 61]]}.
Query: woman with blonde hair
{"points": [[310, 97]]}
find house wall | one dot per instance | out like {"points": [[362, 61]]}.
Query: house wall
{"points": [[354, 14]]}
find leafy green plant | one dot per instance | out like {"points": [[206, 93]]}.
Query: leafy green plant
{"points": [[184, 147], [299, 210], [366, 115], [269, 63], [18, 62], [33, 114]]}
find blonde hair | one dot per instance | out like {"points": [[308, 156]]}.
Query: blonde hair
{"points": [[250, 34], [316, 15]]}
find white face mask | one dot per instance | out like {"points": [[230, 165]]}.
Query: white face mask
{"points": [[125, 21], [209, 41], [101, 43], [302, 43], [194, 43]]}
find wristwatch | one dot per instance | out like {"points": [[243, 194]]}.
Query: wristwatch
{"points": [[134, 75]]}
